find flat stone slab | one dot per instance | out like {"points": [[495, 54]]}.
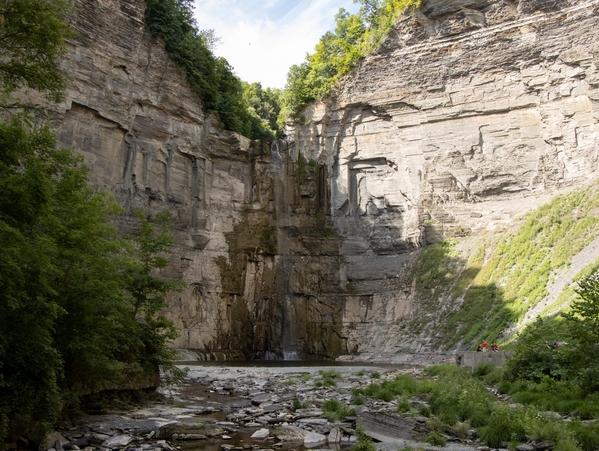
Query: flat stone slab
{"points": [[318, 421], [290, 433], [261, 434], [313, 439], [185, 429], [384, 426], [259, 399]]}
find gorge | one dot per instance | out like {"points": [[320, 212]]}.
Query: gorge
{"points": [[469, 114]]}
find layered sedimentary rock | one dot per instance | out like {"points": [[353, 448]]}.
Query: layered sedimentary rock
{"points": [[468, 114], [145, 137]]}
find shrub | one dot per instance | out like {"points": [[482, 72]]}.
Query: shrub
{"points": [[435, 438], [335, 410], [506, 424]]}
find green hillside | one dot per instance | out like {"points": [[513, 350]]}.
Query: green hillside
{"points": [[481, 288]]}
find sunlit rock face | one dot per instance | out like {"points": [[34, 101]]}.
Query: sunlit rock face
{"points": [[463, 106], [469, 113]]}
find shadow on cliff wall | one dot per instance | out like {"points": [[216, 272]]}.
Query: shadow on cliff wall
{"points": [[451, 300]]}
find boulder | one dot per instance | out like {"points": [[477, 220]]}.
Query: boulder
{"points": [[313, 439], [118, 441], [186, 428], [261, 434], [50, 440]]}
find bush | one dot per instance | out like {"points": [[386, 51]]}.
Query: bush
{"points": [[506, 423], [435, 438], [335, 410], [483, 369], [587, 435]]}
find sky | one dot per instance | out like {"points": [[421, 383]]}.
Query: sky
{"points": [[262, 39]]}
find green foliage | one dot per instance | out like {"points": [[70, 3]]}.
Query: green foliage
{"points": [[582, 321], [435, 438], [459, 400], [297, 404], [573, 360], [335, 410], [337, 52], [506, 424], [511, 277], [30, 365], [535, 353], [78, 305], [32, 38], [364, 443], [244, 108], [434, 269]]}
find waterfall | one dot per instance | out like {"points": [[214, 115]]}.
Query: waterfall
{"points": [[288, 338]]}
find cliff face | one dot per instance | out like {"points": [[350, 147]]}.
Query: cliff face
{"points": [[145, 137], [470, 113]]}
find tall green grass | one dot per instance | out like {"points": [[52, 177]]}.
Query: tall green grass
{"points": [[459, 399], [509, 274]]}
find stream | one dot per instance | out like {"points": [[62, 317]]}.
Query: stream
{"points": [[241, 406]]}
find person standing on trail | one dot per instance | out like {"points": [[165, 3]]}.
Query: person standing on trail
{"points": [[485, 344]]}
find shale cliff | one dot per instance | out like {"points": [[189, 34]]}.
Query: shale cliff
{"points": [[467, 115]]}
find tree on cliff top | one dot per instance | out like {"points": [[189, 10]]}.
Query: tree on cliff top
{"points": [[337, 52], [32, 38], [221, 91]]}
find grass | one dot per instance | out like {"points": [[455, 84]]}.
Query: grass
{"points": [[327, 378], [336, 411], [457, 400], [508, 274]]}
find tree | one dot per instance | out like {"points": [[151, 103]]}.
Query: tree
{"points": [[79, 304], [577, 333], [30, 366], [32, 38], [70, 319], [337, 52], [151, 246], [211, 77], [583, 325]]}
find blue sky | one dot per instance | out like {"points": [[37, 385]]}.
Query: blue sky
{"points": [[261, 39]]}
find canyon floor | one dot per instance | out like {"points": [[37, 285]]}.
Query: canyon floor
{"points": [[237, 407]]}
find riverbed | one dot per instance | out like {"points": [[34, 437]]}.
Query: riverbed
{"points": [[241, 406]]}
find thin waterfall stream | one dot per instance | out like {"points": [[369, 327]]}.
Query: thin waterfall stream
{"points": [[289, 345]]}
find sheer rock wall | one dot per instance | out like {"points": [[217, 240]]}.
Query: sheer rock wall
{"points": [[470, 113], [145, 137]]}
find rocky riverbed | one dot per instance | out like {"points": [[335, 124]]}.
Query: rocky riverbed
{"points": [[236, 408]]}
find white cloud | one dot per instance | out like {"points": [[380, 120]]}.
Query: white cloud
{"points": [[261, 40]]}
